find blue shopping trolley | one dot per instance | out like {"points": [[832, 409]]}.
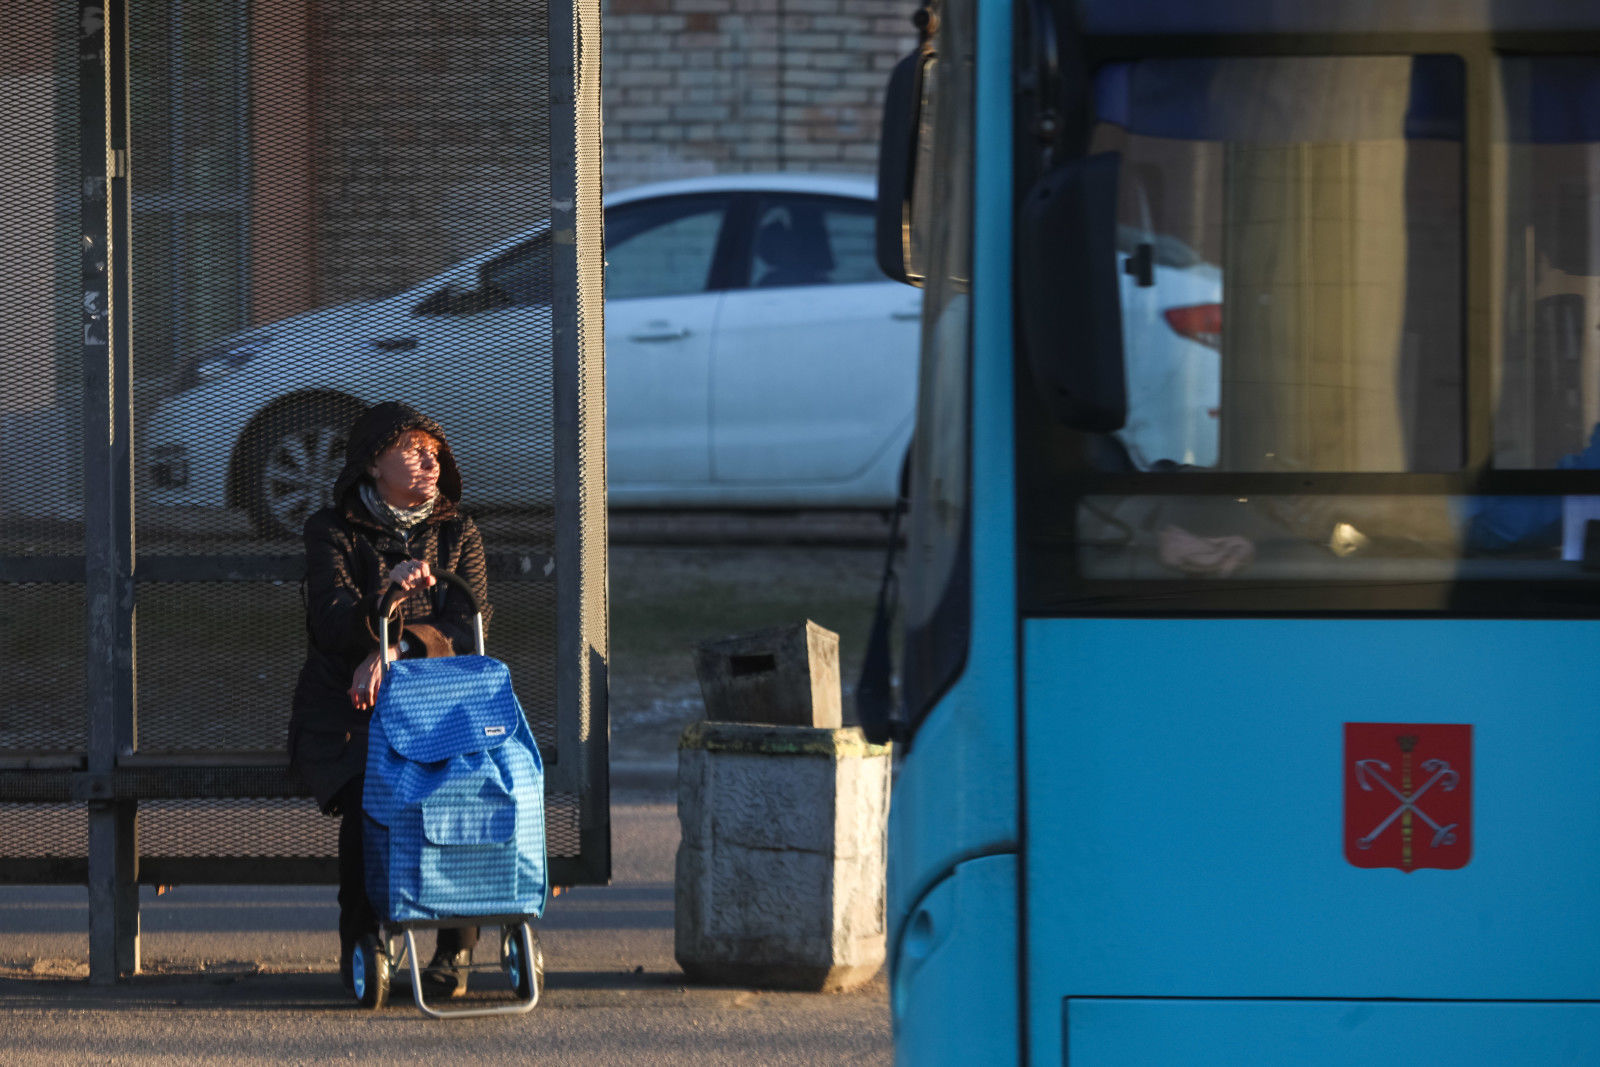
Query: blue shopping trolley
{"points": [[453, 811]]}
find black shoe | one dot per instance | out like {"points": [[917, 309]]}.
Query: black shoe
{"points": [[346, 969], [446, 974]]}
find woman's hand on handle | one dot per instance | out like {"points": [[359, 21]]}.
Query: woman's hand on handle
{"points": [[365, 680], [412, 574]]}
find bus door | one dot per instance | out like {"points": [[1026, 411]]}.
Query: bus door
{"points": [[1311, 756]]}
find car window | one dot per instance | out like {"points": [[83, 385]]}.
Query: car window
{"points": [[521, 276], [662, 247], [813, 241]]}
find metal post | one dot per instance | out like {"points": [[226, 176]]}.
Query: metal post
{"points": [[108, 500], [582, 646]]}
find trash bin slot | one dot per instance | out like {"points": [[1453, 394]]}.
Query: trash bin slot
{"points": [[752, 663], [782, 676]]}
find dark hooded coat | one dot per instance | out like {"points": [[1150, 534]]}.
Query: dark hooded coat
{"points": [[349, 554]]}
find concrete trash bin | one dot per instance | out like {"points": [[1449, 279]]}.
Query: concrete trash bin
{"points": [[786, 675], [781, 864]]}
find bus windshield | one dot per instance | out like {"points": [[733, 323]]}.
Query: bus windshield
{"points": [[1325, 392]]}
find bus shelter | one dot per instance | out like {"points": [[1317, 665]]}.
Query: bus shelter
{"points": [[228, 226]]}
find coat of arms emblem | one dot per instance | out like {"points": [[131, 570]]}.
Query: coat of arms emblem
{"points": [[1408, 795]]}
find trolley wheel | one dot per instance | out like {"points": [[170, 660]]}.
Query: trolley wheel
{"points": [[526, 981], [369, 968]]}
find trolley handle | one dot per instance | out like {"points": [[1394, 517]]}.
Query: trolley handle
{"points": [[394, 595]]}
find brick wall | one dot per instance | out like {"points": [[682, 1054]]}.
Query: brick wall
{"points": [[429, 133], [431, 136], [711, 86]]}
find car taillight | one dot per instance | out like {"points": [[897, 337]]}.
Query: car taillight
{"points": [[1197, 322]]}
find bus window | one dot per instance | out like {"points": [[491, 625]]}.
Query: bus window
{"points": [[1291, 294], [1547, 366], [937, 596], [1294, 284], [1549, 362]]}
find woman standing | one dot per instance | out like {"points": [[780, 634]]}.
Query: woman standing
{"points": [[393, 522]]}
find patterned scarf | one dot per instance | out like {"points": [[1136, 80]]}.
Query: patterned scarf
{"points": [[401, 519]]}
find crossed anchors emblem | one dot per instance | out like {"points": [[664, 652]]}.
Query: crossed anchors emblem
{"points": [[1446, 777]]}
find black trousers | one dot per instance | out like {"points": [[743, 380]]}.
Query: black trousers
{"points": [[356, 915]]}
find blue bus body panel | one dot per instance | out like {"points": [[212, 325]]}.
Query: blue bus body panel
{"points": [[1336, 1033], [955, 796], [1299, 17], [1184, 782], [954, 818], [955, 990]]}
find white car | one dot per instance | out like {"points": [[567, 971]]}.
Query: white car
{"points": [[755, 357], [1171, 349]]}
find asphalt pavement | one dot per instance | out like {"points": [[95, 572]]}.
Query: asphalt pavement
{"points": [[248, 975]]}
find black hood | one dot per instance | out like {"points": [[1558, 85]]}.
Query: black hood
{"points": [[381, 426]]}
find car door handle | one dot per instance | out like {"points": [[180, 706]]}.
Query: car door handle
{"points": [[395, 344], [661, 332], [904, 316]]}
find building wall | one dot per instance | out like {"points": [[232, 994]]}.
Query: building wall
{"points": [[430, 136], [428, 120], [29, 184], [711, 86]]}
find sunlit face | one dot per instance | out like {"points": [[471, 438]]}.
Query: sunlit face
{"points": [[407, 472]]}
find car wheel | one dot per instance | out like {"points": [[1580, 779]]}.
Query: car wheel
{"points": [[295, 454]]}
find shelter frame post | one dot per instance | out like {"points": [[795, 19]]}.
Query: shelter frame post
{"points": [[108, 498], [578, 322]]}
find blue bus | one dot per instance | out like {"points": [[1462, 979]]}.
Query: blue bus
{"points": [[1250, 697]]}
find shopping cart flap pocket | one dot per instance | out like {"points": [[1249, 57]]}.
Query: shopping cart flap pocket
{"points": [[434, 709], [487, 820]]}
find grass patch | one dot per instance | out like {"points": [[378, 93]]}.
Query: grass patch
{"points": [[666, 601]]}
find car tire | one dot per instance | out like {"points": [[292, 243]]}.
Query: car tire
{"points": [[293, 454]]}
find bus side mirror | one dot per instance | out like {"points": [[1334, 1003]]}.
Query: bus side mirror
{"points": [[899, 146], [1069, 308]]}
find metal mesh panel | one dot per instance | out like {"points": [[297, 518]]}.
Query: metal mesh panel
{"points": [[41, 297], [561, 821], [522, 637], [217, 662], [330, 209], [42, 305], [401, 254], [43, 831], [342, 208], [326, 206], [242, 827], [41, 645]]}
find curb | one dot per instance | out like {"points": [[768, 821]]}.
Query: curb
{"points": [[652, 776]]}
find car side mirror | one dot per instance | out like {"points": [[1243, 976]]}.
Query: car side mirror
{"points": [[1069, 306], [901, 143], [452, 301], [437, 304], [1141, 265]]}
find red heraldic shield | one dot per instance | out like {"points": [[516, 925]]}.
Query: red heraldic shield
{"points": [[1408, 794]]}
